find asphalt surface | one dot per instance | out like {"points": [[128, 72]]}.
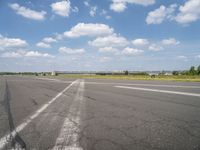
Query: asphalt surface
{"points": [[96, 114]]}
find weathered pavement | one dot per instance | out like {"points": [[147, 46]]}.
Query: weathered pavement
{"points": [[83, 114]]}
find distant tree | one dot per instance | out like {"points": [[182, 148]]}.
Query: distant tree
{"points": [[192, 71], [162, 73], [198, 70], [175, 73], [126, 72]]}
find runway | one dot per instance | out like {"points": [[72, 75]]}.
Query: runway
{"points": [[98, 114]]}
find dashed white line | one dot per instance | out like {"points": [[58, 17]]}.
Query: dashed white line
{"points": [[4, 141], [160, 91], [69, 133]]}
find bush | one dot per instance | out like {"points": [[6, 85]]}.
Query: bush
{"points": [[126, 72], [175, 73]]}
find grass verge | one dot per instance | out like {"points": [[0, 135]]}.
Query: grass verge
{"points": [[182, 78]]}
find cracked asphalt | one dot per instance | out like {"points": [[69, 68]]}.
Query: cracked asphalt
{"points": [[111, 118]]}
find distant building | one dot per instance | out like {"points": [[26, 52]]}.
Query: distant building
{"points": [[53, 73]]}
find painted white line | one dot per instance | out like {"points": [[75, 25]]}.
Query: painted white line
{"points": [[54, 80], [69, 134], [118, 83], [138, 84], [4, 140], [160, 91]]}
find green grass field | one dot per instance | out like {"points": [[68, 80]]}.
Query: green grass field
{"points": [[185, 78]]}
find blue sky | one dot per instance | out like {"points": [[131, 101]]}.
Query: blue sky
{"points": [[99, 35]]}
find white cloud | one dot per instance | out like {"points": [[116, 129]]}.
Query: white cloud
{"points": [[189, 12], [28, 13], [75, 9], [61, 8], [49, 40], [22, 53], [131, 51], [108, 17], [105, 59], [105, 14], [12, 42], [43, 45], [37, 54], [170, 41], [182, 57], [108, 50], [198, 56], [159, 15], [155, 47], [90, 29], [140, 42], [86, 3], [109, 41], [93, 11], [66, 50], [120, 5]]}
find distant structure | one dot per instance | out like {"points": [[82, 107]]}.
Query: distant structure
{"points": [[53, 73]]}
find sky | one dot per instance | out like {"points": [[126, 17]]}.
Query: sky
{"points": [[99, 35]]}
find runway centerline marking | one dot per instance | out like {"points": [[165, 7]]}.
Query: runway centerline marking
{"points": [[68, 137], [4, 139], [160, 91]]}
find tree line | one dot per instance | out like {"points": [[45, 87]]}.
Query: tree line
{"points": [[192, 71]]}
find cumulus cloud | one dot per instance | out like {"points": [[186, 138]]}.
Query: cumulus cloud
{"points": [[105, 59], [159, 15], [86, 3], [120, 5], [22, 53], [43, 45], [182, 57], [189, 12], [170, 41], [12, 42], [109, 41], [66, 50], [198, 56], [131, 51], [108, 50], [93, 11], [88, 29], [61, 8], [49, 40], [140, 42], [28, 13], [155, 47]]}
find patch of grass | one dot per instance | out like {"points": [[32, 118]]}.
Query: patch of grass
{"points": [[185, 78]]}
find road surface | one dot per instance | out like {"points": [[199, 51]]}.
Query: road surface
{"points": [[96, 114]]}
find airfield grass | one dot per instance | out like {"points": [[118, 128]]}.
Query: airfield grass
{"points": [[182, 78]]}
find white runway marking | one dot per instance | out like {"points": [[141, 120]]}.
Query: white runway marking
{"points": [[4, 140], [54, 80], [138, 84], [118, 83], [69, 134], [161, 91]]}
